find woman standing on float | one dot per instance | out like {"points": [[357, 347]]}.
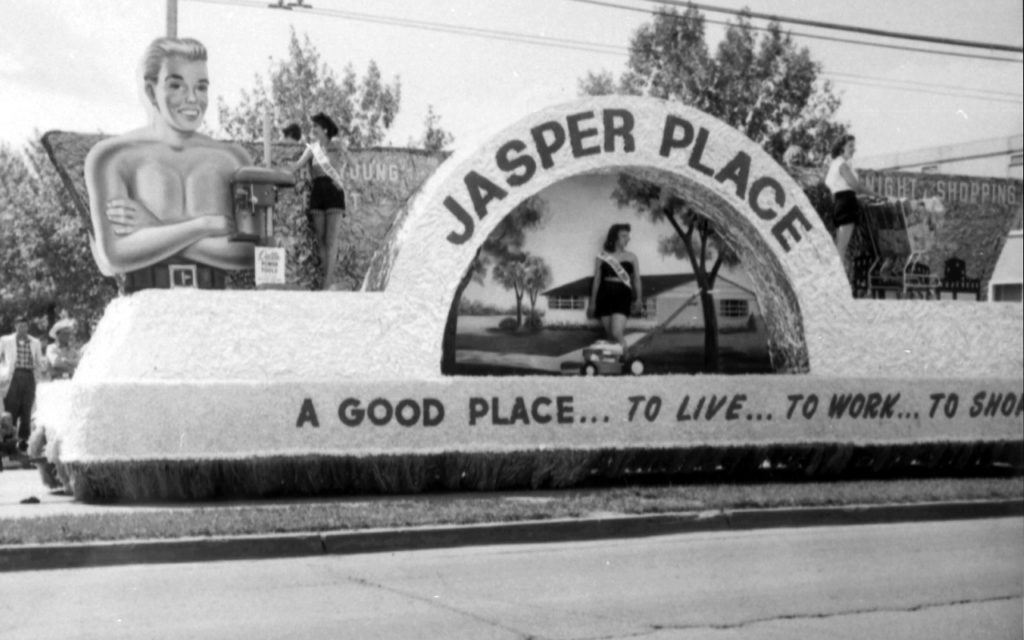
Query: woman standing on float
{"points": [[843, 182], [616, 290], [328, 159]]}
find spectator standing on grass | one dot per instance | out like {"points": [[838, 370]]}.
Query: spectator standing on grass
{"points": [[21, 366], [63, 353]]}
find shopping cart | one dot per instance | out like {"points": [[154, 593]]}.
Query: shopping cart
{"points": [[902, 235]]}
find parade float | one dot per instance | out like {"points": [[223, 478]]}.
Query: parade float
{"points": [[187, 393]]}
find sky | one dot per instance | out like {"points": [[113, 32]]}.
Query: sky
{"points": [[70, 64]]}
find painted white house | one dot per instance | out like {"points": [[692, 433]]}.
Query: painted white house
{"points": [[663, 295], [1007, 281]]}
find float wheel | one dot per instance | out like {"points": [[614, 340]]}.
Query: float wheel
{"points": [[635, 367]]}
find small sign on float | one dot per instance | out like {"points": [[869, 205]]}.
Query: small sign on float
{"points": [[269, 266]]}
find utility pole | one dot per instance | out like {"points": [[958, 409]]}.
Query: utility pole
{"points": [[172, 18]]}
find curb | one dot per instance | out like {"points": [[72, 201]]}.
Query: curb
{"points": [[80, 555]]}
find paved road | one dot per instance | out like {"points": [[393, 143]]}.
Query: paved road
{"points": [[958, 579]]}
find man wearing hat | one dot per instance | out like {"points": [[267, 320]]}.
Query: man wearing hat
{"points": [[63, 354], [21, 363]]}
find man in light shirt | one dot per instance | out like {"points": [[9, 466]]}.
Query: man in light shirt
{"points": [[21, 365]]}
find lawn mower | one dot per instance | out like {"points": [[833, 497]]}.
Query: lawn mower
{"points": [[605, 358]]}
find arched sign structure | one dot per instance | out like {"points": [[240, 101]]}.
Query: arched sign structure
{"points": [[761, 212], [256, 386]]}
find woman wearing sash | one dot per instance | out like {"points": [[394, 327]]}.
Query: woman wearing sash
{"points": [[616, 290], [327, 159]]}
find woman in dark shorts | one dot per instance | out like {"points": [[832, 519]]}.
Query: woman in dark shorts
{"points": [[327, 159], [843, 182], [615, 291]]}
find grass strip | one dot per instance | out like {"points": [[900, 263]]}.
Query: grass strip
{"points": [[355, 513], [535, 469]]}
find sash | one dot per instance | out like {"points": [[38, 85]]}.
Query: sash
{"points": [[324, 162], [617, 267]]}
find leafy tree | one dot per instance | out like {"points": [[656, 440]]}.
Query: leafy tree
{"points": [[45, 263], [759, 83], [302, 85], [435, 138], [505, 242]]}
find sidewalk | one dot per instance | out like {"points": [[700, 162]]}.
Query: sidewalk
{"points": [[18, 484]]}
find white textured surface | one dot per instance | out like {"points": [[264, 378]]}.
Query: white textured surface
{"points": [[266, 336], [924, 338], [198, 373], [278, 336], [225, 420], [53, 414]]}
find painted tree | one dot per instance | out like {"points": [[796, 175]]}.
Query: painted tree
{"points": [[511, 274], [759, 83], [698, 240], [45, 262], [538, 278], [506, 241], [302, 85]]}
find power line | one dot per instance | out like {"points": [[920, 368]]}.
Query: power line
{"points": [[901, 83], [933, 92], [577, 45], [595, 47], [863, 43], [969, 92], [511, 36], [840, 27]]}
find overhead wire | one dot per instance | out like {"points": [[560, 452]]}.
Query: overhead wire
{"points": [[902, 84], [931, 91], [595, 47], [902, 35], [511, 36], [968, 92], [863, 43]]}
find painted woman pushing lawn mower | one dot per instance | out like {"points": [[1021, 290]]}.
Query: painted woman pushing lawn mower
{"points": [[616, 291]]}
